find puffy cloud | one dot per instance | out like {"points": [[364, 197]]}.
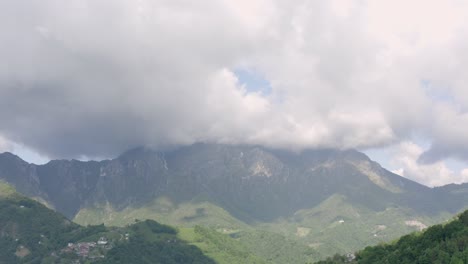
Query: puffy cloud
{"points": [[448, 130], [4, 145], [94, 78], [464, 173], [405, 158]]}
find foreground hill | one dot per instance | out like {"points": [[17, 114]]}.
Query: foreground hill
{"points": [[321, 201], [32, 233], [438, 244]]}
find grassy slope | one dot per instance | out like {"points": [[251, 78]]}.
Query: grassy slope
{"points": [[277, 248], [335, 226], [222, 248], [447, 243], [253, 246], [163, 210], [296, 239], [6, 190], [190, 216]]}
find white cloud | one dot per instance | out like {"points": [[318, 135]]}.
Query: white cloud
{"points": [[405, 158], [448, 131], [94, 78], [4, 145], [464, 174]]}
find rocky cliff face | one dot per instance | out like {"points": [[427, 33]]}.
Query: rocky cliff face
{"points": [[21, 174], [70, 185], [252, 183]]}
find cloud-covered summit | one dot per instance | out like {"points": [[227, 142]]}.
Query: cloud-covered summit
{"points": [[94, 78]]}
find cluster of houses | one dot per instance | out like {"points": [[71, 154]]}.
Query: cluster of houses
{"points": [[83, 249]]}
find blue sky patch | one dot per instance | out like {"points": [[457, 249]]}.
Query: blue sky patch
{"points": [[253, 81], [437, 93]]}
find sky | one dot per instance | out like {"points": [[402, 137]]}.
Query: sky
{"points": [[89, 79]]}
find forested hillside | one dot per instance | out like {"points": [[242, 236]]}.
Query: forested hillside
{"points": [[32, 233], [446, 243]]}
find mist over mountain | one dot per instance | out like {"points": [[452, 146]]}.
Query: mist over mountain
{"points": [[95, 79]]}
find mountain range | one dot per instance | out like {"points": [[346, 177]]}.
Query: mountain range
{"points": [[329, 201]]}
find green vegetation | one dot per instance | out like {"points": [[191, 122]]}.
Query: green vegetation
{"points": [[222, 248], [252, 246], [276, 248], [6, 190], [188, 214], [333, 226], [223, 237], [279, 206], [338, 226], [32, 233], [438, 244], [150, 243]]}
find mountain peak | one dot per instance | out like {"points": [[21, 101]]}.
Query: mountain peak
{"points": [[137, 153], [10, 157]]}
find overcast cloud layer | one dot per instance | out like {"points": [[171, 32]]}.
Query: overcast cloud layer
{"points": [[96, 77]]}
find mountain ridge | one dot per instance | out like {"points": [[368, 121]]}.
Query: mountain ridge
{"points": [[303, 196], [70, 184]]}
